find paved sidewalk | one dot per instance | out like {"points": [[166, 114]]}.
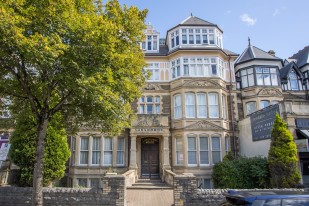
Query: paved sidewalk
{"points": [[149, 197]]}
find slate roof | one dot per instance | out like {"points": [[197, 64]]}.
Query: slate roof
{"points": [[284, 71], [253, 53], [302, 57], [163, 51], [195, 21]]}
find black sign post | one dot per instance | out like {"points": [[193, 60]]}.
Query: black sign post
{"points": [[262, 122]]}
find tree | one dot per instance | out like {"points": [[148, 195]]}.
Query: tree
{"points": [[23, 148], [78, 57], [282, 156]]}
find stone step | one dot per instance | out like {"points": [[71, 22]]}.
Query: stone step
{"points": [[150, 184], [149, 187]]}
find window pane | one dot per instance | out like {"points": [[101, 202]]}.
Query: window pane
{"points": [[95, 183], [191, 143], [251, 80], [214, 69], [198, 39], [202, 107], [108, 143], [191, 39], [108, 158], [177, 106], [190, 105], [179, 151], [259, 79], [213, 105], [203, 143], [244, 81], [158, 110], [206, 184], [84, 143], [186, 70], [149, 109], [216, 150], [264, 104], [157, 99], [149, 99], [141, 109], [82, 182], [120, 151], [274, 80], [96, 143], [84, 157], [251, 107], [191, 157], [267, 79], [211, 39], [205, 41], [184, 39], [96, 157]]}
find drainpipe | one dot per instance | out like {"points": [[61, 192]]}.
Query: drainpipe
{"points": [[231, 108]]}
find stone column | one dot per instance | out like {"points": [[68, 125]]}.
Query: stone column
{"points": [[166, 153], [133, 164]]}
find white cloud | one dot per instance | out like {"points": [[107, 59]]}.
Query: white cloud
{"points": [[276, 12], [248, 20]]}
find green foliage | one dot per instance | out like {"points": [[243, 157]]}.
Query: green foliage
{"points": [[282, 156], [241, 173], [24, 146]]}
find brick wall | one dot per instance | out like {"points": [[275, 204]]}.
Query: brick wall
{"points": [[113, 193]]}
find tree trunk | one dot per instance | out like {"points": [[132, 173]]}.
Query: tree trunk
{"points": [[37, 192]]}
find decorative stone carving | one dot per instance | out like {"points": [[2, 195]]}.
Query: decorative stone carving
{"points": [[148, 121], [204, 125], [202, 83], [152, 87], [270, 92]]}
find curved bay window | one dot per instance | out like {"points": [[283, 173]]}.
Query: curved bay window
{"points": [[258, 76]]}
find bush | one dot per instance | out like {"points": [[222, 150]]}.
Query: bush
{"points": [[241, 173]]}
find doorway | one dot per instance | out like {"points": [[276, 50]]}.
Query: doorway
{"points": [[150, 158]]}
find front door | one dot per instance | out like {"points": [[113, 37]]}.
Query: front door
{"points": [[150, 158]]}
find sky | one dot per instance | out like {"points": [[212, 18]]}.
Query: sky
{"points": [[279, 25]]}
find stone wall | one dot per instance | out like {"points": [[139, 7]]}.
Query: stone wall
{"points": [[184, 189], [113, 194]]}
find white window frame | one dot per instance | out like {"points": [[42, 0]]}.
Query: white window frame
{"points": [[212, 149], [177, 97], [199, 105], [121, 151], [86, 151], [207, 150], [108, 151], [190, 106], [213, 106], [93, 150], [179, 151], [196, 151]]}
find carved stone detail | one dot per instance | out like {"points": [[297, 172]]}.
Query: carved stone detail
{"points": [[152, 87], [200, 83], [204, 125], [270, 92]]}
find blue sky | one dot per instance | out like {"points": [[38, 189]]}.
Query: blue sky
{"points": [[280, 25]]}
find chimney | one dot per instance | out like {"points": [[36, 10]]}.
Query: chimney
{"points": [[272, 52]]}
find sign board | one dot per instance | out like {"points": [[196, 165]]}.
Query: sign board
{"points": [[302, 145], [4, 150], [262, 122]]}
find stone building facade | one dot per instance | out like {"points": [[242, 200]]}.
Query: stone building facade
{"points": [[184, 117]]}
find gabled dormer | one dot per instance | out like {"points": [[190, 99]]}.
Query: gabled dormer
{"points": [[291, 78], [301, 59], [194, 32], [152, 40]]}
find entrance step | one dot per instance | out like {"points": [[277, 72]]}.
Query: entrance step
{"points": [[150, 184]]}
